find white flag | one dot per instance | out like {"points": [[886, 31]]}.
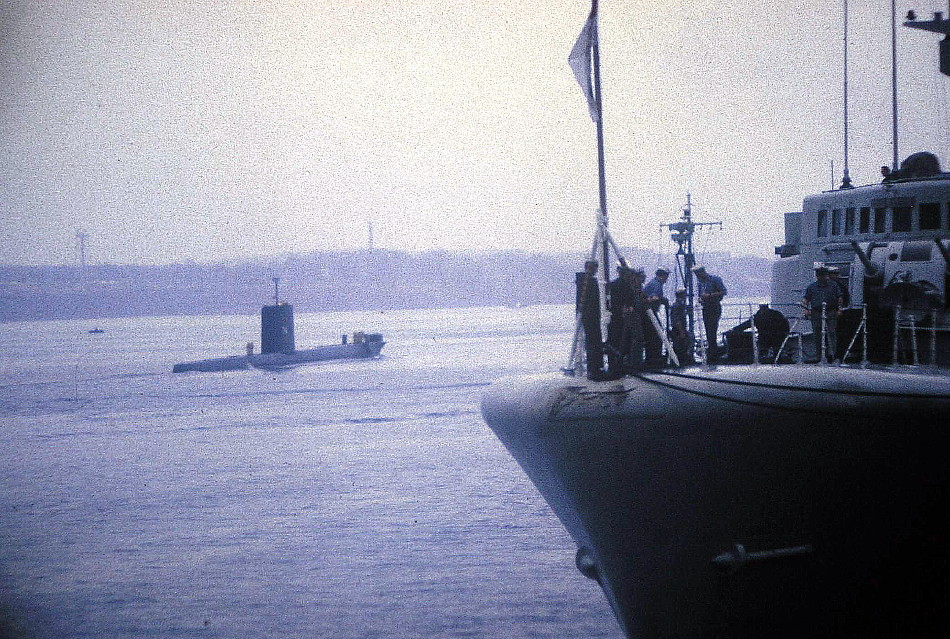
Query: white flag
{"points": [[580, 61]]}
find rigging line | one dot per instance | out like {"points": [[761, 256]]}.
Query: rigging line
{"points": [[829, 391], [741, 402], [676, 275]]}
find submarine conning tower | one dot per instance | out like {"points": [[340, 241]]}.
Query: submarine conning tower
{"points": [[277, 329]]}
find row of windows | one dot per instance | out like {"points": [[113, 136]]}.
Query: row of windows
{"points": [[876, 220]]}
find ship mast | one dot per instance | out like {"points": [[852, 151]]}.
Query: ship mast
{"points": [[682, 234], [846, 178], [939, 24], [895, 165]]}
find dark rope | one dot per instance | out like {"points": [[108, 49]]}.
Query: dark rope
{"points": [[831, 391], [742, 402], [745, 402]]}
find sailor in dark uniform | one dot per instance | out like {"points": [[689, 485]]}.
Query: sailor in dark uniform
{"points": [[711, 292], [588, 307], [625, 331], [772, 329], [822, 302]]}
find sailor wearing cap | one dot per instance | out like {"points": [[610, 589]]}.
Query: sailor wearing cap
{"points": [[625, 330], [834, 274], [587, 307], [654, 289], [822, 302], [711, 291], [655, 299]]}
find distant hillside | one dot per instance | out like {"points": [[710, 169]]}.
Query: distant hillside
{"points": [[324, 281]]}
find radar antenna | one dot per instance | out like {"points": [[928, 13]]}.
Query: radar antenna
{"points": [[939, 24]]}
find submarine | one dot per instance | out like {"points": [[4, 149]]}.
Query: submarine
{"points": [[278, 348]]}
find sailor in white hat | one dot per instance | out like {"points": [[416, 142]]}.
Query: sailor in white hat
{"points": [[822, 302]]}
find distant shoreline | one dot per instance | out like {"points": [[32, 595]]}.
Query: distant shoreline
{"points": [[358, 280]]}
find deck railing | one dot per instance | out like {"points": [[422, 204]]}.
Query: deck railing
{"points": [[910, 342]]}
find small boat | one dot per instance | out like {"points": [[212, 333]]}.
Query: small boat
{"points": [[95, 330], [779, 500]]}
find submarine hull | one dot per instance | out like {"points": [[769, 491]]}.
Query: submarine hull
{"points": [[361, 350]]}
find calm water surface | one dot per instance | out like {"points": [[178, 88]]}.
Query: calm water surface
{"points": [[342, 499]]}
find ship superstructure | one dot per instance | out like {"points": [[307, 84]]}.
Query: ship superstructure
{"points": [[890, 243]]}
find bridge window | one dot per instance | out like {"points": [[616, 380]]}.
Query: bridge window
{"points": [[822, 223], [849, 222], [836, 222], [916, 251], [880, 215], [930, 216], [903, 217], [864, 226]]}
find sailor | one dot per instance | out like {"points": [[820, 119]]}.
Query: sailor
{"points": [[834, 274], [711, 292], [587, 306], [822, 304], [625, 330], [654, 289], [616, 294], [653, 292], [772, 329], [680, 336]]}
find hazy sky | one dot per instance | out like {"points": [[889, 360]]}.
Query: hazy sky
{"points": [[210, 130]]}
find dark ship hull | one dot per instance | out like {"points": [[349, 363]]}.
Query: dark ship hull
{"points": [[747, 501]]}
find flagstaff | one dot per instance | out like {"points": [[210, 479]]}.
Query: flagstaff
{"points": [[585, 62], [601, 172]]}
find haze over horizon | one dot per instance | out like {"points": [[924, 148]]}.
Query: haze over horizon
{"points": [[213, 131]]}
